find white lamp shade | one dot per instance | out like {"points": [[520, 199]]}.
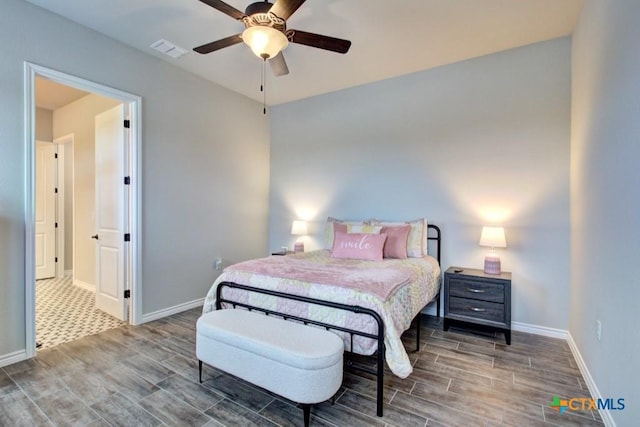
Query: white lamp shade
{"points": [[493, 237], [299, 228], [266, 42]]}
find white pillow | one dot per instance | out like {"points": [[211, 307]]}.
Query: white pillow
{"points": [[363, 228]]}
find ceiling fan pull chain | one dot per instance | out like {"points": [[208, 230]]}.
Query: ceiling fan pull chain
{"points": [[262, 77], [263, 87]]}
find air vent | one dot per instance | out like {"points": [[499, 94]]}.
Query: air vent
{"points": [[168, 48]]}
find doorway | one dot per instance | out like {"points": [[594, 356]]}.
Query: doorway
{"points": [[111, 282]]}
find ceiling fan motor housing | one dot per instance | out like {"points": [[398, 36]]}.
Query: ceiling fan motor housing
{"points": [[258, 7], [258, 14]]}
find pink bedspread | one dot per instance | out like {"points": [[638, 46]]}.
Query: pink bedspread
{"points": [[379, 281], [396, 289]]}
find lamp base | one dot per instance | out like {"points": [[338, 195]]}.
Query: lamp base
{"points": [[298, 247], [492, 265]]}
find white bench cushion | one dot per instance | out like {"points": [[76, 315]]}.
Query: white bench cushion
{"points": [[291, 343], [299, 362]]}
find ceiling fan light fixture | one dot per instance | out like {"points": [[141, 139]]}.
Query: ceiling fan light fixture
{"points": [[265, 42]]}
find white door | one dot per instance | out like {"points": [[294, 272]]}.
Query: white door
{"points": [[45, 212], [111, 138]]}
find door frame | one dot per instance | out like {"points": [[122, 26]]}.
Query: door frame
{"points": [[31, 71], [63, 144]]}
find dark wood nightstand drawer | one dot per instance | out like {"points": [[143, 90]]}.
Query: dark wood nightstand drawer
{"points": [[491, 292], [476, 309]]}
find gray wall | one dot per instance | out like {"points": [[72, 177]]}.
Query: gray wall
{"points": [[605, 207], [477, 142], [205, 164]]}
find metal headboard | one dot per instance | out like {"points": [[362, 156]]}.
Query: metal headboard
{"points": [[433, 233]]}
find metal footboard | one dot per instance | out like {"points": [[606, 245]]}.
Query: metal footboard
{"points": [[380, 353]]}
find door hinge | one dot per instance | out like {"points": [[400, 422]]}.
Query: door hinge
{"points": [[127, 180], [56, 225], [55, 190], [55, 155], [127, 237], [127, 124], [127, 293], [56, 259]]}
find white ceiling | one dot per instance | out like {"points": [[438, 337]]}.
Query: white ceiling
{"points": [[390, 38]]}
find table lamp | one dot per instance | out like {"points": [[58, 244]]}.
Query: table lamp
{"points": [[299, 228], [492, 237]]}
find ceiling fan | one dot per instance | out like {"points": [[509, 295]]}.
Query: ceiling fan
{"points": [[267, 34]]}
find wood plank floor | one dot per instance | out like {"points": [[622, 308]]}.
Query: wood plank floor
{"points": [[147, 376]]}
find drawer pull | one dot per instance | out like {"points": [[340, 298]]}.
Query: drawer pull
{"points": [[476, 309], [476, 291]]}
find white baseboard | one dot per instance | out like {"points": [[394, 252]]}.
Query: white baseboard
{"points": [[149, 317], [84, 285], [591, 384], [11, 358], [539, 330]]}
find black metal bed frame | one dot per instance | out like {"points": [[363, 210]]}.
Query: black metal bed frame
{"points": [[349, 363]]}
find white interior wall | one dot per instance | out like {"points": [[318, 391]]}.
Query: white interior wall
{"points": [[477, 142], [44, 124], [605, 207], [201, 147], [78, 118]]}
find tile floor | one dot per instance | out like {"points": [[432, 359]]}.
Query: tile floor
{"points": [[65, 312], [147, 376]]}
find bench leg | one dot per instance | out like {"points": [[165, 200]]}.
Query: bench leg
{"points": [[306, 410], [200, 370]]}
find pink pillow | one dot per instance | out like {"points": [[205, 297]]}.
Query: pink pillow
{"points": [[358, 246], [396, 244], [340, 227]]}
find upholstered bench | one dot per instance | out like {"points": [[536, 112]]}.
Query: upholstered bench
{"points": [[301, 363]]}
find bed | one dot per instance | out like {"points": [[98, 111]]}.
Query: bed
{"points": [[368, 303]]}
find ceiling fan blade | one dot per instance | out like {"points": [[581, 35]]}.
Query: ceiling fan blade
{"points": [[285, 8], [321, 42], [225, 8], [218, 44], [279, 65]]}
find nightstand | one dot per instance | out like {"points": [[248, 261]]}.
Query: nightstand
{"points": [[474, 297], [282, 253]]}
